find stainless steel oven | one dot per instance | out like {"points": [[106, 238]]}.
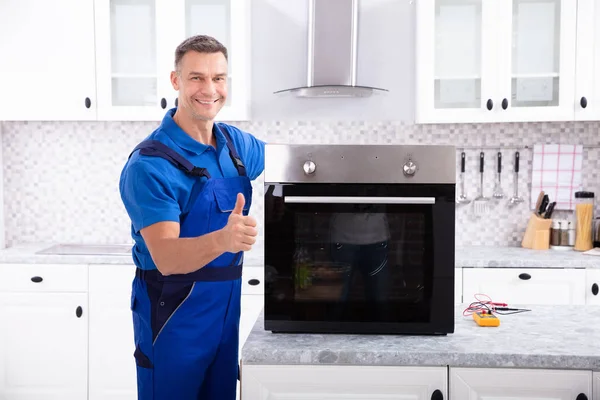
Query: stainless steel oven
{"points": [[359, 239]]}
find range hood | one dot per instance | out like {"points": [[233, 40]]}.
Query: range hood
{"points": [[332, 51]]}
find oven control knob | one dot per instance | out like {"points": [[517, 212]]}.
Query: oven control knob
{"points": [[409, 168], [309, 167]]}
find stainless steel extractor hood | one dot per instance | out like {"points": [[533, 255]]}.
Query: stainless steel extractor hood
{"points": [[332, 51]]}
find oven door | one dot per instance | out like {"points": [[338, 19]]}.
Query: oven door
{"points": [[359, 258]]}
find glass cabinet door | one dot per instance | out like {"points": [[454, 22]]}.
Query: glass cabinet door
{"points": [[538, 60], [133, 53], [455, 69], [131, 77]]}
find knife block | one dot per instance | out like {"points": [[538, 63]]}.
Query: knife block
{"points": [[537, 234]]}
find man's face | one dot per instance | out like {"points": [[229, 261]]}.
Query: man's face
{"points": [[202, 84]]}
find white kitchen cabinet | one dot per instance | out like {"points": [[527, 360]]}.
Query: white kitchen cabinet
{"points": [[112, 371], [135, 50], [596, 377], [44, 335], [592, 286], [47, 69], [458, 286], [252, 305], [252, 301], [333, 382], [526, 285], [522, 384], [495, 61], [587, 92]]}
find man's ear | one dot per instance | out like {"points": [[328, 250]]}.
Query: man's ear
{"points": [[174, 81]]}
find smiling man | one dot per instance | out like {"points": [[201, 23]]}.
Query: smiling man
{"points": [[187, 191]]}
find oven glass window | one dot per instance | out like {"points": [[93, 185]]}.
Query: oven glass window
{"points": [[347, 261]]}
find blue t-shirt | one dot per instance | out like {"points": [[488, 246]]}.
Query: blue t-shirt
{"points": [[155, 190]]}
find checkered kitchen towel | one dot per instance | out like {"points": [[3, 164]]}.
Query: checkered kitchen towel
{"points": [[557, 171]]}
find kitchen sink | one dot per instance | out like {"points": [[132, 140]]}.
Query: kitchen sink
{"points": [[88, 249]]}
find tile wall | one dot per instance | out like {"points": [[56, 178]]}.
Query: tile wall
{"points": [[61, 178]]}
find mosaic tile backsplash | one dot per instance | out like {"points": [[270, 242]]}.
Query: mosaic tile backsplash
{"points": [[61, 178]]}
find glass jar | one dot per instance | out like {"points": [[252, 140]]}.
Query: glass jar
{"points": [[584, 214]]}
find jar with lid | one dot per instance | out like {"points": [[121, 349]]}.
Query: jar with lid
{"points": [[584, 214]]}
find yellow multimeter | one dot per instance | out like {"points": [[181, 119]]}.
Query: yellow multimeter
{"points": [[486, 319]]}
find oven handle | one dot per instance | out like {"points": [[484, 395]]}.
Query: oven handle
{"points": [[358, 200]]}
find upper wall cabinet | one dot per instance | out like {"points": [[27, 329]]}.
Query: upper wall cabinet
{"points": [[112, 59], [495, 61], [47, 60], [135, 51], [587, 90]]}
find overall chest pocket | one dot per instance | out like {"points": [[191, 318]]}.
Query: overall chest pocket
{"points": [[224, 205]]}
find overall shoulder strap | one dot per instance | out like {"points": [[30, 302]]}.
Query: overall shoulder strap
{"points": [[235, 157], [159, 149]]}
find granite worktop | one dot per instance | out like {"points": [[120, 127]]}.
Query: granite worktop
{"points": [[467, 256], [519, 257], [554, 337]]}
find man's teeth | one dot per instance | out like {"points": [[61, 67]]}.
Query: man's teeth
{"points": [[206, 102]]}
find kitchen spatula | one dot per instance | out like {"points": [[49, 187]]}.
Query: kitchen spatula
{"points": [[480, 203]]}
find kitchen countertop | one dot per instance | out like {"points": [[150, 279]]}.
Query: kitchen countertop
{"points": [[468, 256], [519, 257], [553, 337]]}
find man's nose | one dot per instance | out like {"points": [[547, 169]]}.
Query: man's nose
{"points": [[208, 87]]}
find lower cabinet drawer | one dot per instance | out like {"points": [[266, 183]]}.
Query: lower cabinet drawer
{"points": [[43, 278], [525, 285], [253, 280]]}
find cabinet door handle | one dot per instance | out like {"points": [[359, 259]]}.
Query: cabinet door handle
{"points": [[583, 102], [79, 312], [581, 396], [253, 282], [595, 289], [504, 104], [163, 103], [88, 102], [176, 103], [490, 104], [37, 279], [525, 277], [437, 395]]}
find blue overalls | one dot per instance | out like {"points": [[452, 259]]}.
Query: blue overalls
{"points": [[186, 326]]}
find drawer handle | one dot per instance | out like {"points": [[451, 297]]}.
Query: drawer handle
{"points": [[437, 395], [37, 279], [525, 277], [79, 312], [253, 282], [581, 396], [595, 289]]}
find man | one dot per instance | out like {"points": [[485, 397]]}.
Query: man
{"points": [[187, 190]]}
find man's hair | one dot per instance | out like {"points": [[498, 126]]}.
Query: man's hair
{"points": [[201, 44]]}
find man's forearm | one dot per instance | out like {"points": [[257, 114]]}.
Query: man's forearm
{"points": [[185, 255]]}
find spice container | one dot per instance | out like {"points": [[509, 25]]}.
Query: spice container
{"points": [[584, 214], [559, 236]]}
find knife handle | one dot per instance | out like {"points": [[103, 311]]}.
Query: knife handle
{"points": [[517, 161], [462, 161], [481, 162], [499, 162]]}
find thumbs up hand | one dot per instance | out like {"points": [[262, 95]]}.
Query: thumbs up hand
{"points": [[239, 204], [240, 232]]}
